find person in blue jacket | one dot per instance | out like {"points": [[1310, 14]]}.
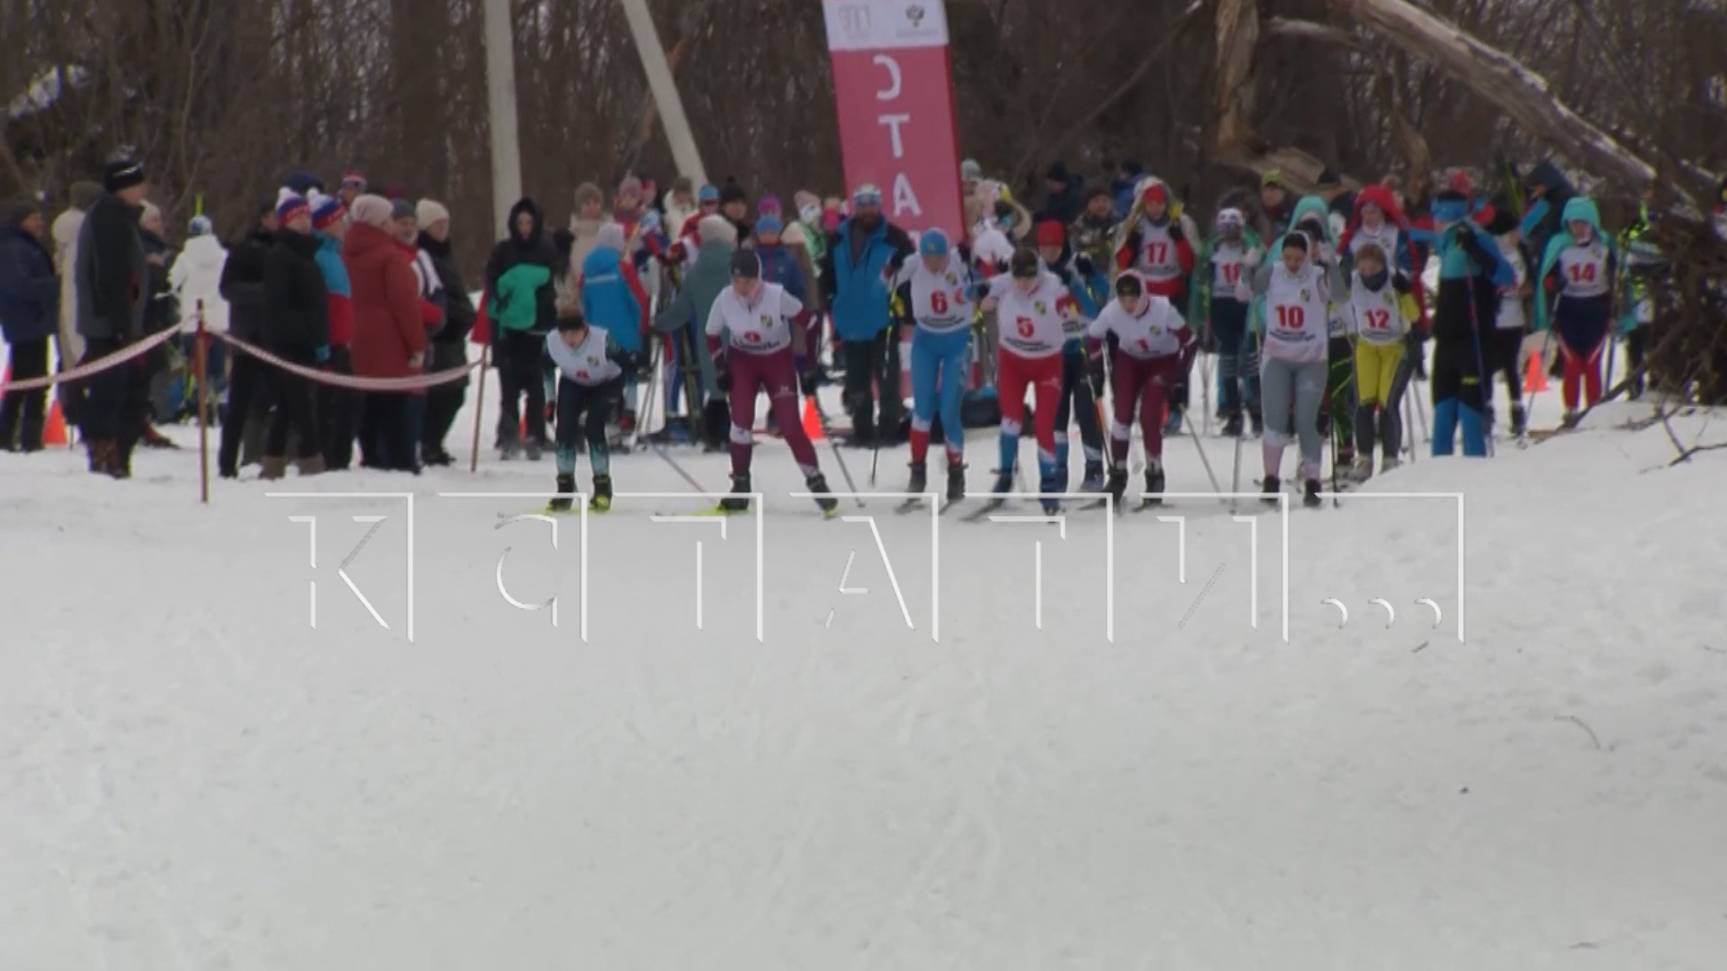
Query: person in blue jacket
{"points": [[29, 310], [614, 300], [864, 254], [1471, 272]]}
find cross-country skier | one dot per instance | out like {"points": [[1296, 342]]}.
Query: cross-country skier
{"points": [[1380, 313], [1153, 345], [1222, 300], [1078, 397], [1575, 298], [751, 326], [1511, 324], [1297, 291], [1157, 239], [1338, 409], [1471, 271], [1031, 307], [936, 291], [591, 377]]}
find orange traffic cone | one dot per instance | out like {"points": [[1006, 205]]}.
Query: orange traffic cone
{"points": [[812, 420], [1534, 375], [54, 429]]}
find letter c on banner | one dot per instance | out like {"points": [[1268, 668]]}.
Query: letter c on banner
{"points": [[892, 90]]}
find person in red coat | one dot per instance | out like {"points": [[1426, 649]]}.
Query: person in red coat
{"points": [[389, 332]]}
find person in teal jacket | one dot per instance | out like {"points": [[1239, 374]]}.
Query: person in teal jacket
{"points": [[521, 302], [863, 255], [685, 318], [1472, 271], [614, 300]]}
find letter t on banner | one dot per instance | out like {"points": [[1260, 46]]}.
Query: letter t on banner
{"points": [[893, 88]]}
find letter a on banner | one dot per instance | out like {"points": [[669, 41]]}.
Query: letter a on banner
{"points": [[893, 88]]}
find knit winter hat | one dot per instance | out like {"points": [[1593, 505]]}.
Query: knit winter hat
{"points": [[768, 204], [1051, 233], [1155, 192], [354, 179], [770, 224], [630, 186], [746, 265], [401, 209], [122, 174], [866, 195], [732, 192], [429, 211], [715, 229], [372, 211], [326, 210], [611, 236], [970, 171], [200, 226], [588, 192], [933, 242], [290, 204], [804, 198], [709, 193], [1272, 177]]}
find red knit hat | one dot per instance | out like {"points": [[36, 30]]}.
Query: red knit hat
{"points": [[1051, 233], [1156, 192]]}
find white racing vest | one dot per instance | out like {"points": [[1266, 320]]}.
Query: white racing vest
{"points": [[1158, 261], [1228, 264], [1154, 332], [1031, 324], [940, 302], [1584, 270], [586, 364], [1295, 314], [1374, 314], [760, 327]]}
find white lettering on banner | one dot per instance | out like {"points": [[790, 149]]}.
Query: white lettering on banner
{"points": [[904, 199], [893, 122], [893, 85], [872, 24]]}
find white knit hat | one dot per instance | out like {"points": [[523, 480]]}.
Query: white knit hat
{"points": [[429, 211], [611, 236], [716, 229]]}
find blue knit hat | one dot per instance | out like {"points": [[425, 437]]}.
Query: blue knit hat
{"points": [[709, 193], [770, 224], [933, 242]]}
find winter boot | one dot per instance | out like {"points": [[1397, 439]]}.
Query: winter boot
{"points": [[602, 500], [566, 495], [534, 449], [1003, 481], [1572, 417], [818, 484], [1258, 424], [919, 480], [311, 465], [105, 457], [955, 482], [1271, 488], [1093, 481], [1362, 470], [1310, 496], [1519, 421], [739, 500], [1154, 485], [275, 467], [508, 449], [1232, 426], [1117, 486], [1388, 463]]}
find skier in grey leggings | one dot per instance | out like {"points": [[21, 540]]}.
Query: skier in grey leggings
{"points": [[1293, 372]]}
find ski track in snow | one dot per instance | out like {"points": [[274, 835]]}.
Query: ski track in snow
{"points": [[190, 777]]}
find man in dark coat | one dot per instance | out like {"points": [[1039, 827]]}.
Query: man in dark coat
{"points": [[298, 307], [248, 318], [113, 295], [449, 345], [29, 302]]}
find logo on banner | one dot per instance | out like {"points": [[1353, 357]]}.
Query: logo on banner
{"points": [[915, 13]]}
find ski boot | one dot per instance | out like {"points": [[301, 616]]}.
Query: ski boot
{"points": [[1388, 463], [508, 449], [955, 481], [1362, 470], [739, 500], [602, 499], [566, 495], [534, 449], [1093, 481], [818, 484], [1572, 417], [1232, 426], [1117, 486], [1310, 495], [274, 467], [1271, 488], [1258, 422], [919, 481], [1519, 421], [1154, 486]]}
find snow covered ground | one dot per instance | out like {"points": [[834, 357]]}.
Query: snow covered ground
{"points": [[193, 777]]}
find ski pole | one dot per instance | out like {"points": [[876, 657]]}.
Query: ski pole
{"points": [[665, 456], [1483, 383], [1203, 460], [839, 456]]}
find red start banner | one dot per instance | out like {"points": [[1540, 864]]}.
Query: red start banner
{"points": [[893, 87]]}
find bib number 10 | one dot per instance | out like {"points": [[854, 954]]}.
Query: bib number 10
{"points": [[1291, 317]]}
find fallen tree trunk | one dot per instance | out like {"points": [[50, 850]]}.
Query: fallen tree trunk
{"points": [[1501, 79]]}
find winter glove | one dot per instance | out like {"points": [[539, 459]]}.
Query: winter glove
{"points": [[1400, 282], [1175, 233], [1253, 258], [1083, 265]]}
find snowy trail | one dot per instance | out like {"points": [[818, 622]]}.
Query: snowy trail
{"points": [[190, 777]]}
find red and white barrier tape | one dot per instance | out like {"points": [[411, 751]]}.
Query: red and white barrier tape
{"points": [[413, 382], [119, 357]]}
